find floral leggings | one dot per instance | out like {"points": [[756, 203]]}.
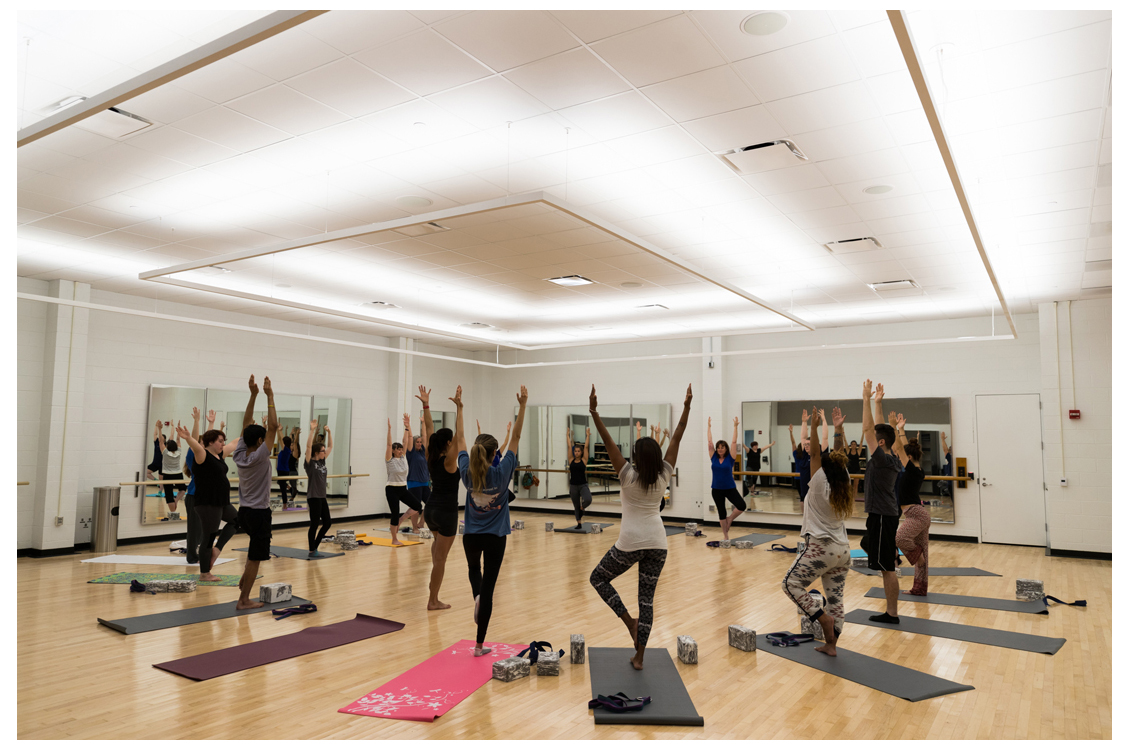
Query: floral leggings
{"points": [[827, 560], [616, 562], [913, 538]]}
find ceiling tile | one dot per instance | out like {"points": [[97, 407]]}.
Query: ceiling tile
{"points": [[227, 128], [351, 31], [166, 104], [591, 25], [875, 49], [845, 140], [438, 125], [287, 54], [894, 92], [807, 200], [742, 127], [284, 108], [817, 64], [899, 206], [350, 87], [1059, 159], [909, 127], [724, 27], [505, 39], [850, 19], [668, 49], [567, 79], [223, 81], [184, 147], [423, 63], [616, 116], [826, 108], [863, 166], [656, 146], [825, 217], [702, 94], [489, 103]]}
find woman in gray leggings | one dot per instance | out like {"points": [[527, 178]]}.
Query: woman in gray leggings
{"points": [[578, 481]]}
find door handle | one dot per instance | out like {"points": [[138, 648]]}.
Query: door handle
{"points": [[985, 484]]}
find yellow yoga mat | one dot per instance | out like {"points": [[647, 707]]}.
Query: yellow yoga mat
{"points": [[381, 542]]}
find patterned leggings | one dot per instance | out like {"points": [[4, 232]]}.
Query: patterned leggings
{"points": [[913, 538], [825, 559], [615, 563]]}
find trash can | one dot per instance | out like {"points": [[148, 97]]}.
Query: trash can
{"points": [[105, 533]]}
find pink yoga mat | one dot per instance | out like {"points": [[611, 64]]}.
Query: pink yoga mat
{"points": [[430, 689], [238, 658]]}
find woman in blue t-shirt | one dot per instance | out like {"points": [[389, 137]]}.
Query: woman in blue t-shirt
{"points": [[722, 486], [486, 518]]}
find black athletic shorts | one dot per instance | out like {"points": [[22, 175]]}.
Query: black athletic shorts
{"points": [[256, 523], [396, 494], [441, 520], [883, 548], [721, 496], [423, 494]]}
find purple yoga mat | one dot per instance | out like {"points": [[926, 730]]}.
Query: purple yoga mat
{"points": [[239, 658]]}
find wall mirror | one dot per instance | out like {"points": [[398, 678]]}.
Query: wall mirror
{"points": [[336, 413], [168, 405], [767, 422]]}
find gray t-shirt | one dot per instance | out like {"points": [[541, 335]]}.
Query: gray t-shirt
{"points": [[315, 478], [819, 518], [254, 475], [397, 469], [879, 483], [641, 526], [170, 462]]}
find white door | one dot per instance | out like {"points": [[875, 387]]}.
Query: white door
{"points": [[1010, 476]]}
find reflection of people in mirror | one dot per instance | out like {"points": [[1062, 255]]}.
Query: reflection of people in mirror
{"points": [[171, 470]]}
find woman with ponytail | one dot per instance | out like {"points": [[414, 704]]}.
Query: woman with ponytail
{"points": [[441, 513], [486, 518], [826, 554], [913, 535]]}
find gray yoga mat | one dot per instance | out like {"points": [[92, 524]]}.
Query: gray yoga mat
{"points": [[585, 528], [977, 602], [909, 572], [970, 634], [190, 616], [673, 530], [296, 554], [757, 538], [610, 671], [892, 679]]}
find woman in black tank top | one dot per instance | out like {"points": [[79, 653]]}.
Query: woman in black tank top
{"points": [[578, 481], [441, 514], [913, 535]]}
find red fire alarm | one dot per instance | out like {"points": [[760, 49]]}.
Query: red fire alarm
{"points": [[1073, 414]]}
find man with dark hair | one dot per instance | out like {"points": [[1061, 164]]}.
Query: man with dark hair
{"points": [[879, 500], [253, 460]]}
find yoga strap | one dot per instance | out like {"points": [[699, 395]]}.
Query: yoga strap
{"points": [[301, 609], [363, 543], [782, 548], [784, 640], [619, 703], [139, 588], [713, 544], [1076, 603], [537, 647]]}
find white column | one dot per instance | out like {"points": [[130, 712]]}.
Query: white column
{"points": [[713, 406]]}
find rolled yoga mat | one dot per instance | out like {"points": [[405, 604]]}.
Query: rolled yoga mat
{"points": [[586, 528], [970, 634], [432, 688], [147, 577], [152, 560], [892, 679], [190, 616], [610, 671], [248, 655], [757, 538], [909, 572], [977, 602], [296, 554]]}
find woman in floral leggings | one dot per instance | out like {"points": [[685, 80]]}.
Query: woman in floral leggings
{"points": [[826, 554], [913, 535]]}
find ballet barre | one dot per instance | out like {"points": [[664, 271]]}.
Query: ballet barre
{"points": [[287, 478], [853, 476], [19, 483]]}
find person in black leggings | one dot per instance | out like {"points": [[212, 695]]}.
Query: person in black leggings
{"points": [[314, 463], [578, 481], [213, 496], [486, 518], [441, 514], [722, 485]]}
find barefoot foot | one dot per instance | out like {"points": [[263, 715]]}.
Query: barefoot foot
{"points": [[633, 629], [208, 577], [637, 661], [827, 648], [249, 605], [437, 604]]}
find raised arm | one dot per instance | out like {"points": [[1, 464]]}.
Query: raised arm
{"points": [[460, 441], [329, 442], [900, 438], [663, 439], [506, 441], [737, 447], [639, 428], [709, 439], [177, 433], [838, 425], [879, 403], [272, 418], [585, 455], [823, 431], [193, 443], [407, 439], [195, 424], [814, 450], [803, 425], [388, 442], [868, 419], [945, 446], [157, 431], [768, 446], [614, 454], [512, 444], [249, 413], [792, 439], [310, 439], [425, 397], [677, 437], [568, 445]]}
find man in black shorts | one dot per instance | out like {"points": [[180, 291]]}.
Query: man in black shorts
{"points": [[253, 460], [879, 500]]}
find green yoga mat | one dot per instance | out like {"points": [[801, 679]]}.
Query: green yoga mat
{"points": [[147, 577]]}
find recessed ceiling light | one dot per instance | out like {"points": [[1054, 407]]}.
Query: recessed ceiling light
{"points": [[765, 22], [419, 124], [886, 286], [878, 189], [631, 285], [413, 201], [476, 325], [570, 280]]}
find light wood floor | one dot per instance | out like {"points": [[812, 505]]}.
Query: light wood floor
{"points": [[80, 680]]}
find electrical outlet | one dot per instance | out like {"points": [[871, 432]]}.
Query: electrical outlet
{"points": [[58, 520], [1063, 481]]}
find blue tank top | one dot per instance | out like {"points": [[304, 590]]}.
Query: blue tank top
{"points": [[723, 472], [417, 468]]}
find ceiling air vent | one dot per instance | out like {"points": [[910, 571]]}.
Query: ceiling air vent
{"points": [[653, 307], [857, 245], [763, 157], [419, 230], [891, 286], [114, 123]]}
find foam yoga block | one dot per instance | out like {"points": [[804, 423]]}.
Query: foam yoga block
{"points": [[808, 627], [549, 665], [859, 562], [743, 638], [576, 649], [274, 592], [347, 546], [350, 532], [549, 525], [691, 528], [508, 670], [596, 528], [743, 544], [171, 587], [688, 649], [519, 524], [460, 527], [725, 544], [426, 534], [1029, 589]]}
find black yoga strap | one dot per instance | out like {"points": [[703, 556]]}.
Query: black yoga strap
{"points": [[1076, 603], [537, 647], [619, 703], [782, 548], [301, 609]]}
